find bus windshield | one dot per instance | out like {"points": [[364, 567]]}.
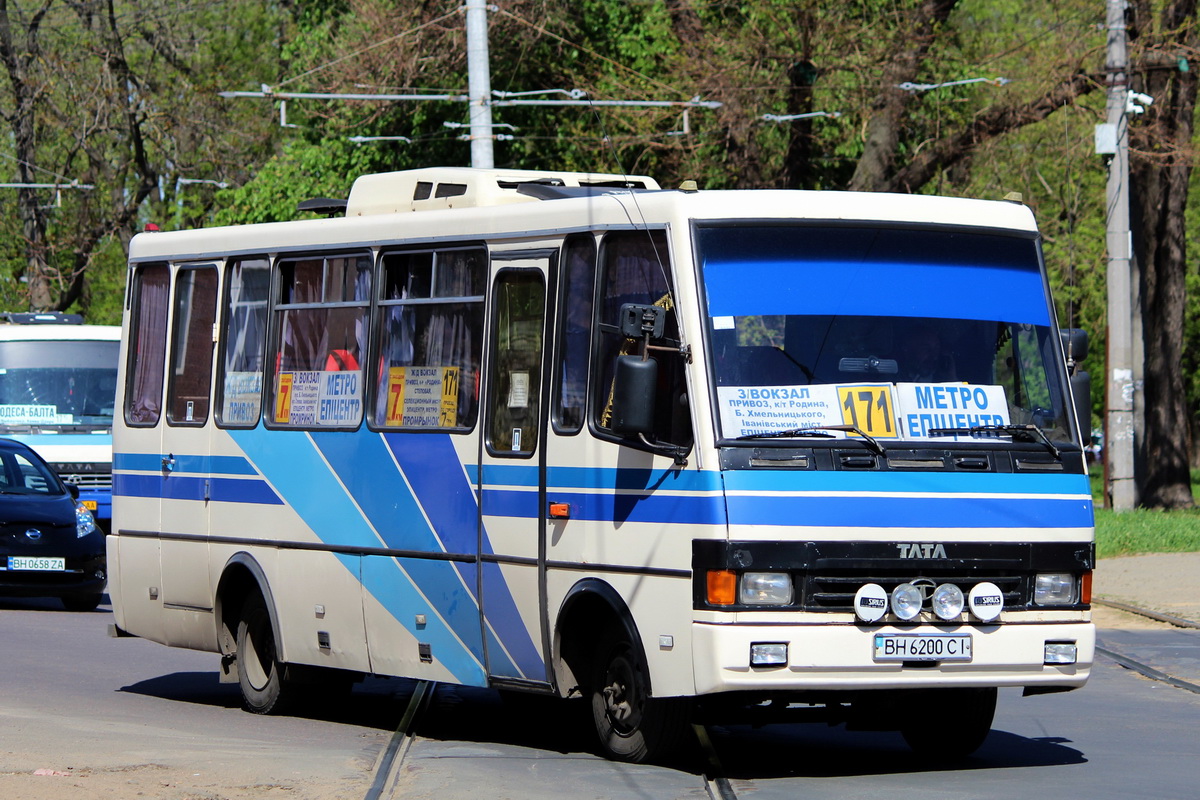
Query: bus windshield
{"points": [[57, 385], [899, 334]]}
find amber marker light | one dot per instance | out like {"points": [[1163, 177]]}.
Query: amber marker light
{"points": [[722, 587], [1085, 588]]}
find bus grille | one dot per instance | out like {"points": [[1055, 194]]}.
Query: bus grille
{"points": [[834, 591]]}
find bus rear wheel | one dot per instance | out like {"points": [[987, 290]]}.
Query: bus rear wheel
{"points": [[632, 725], [948, 724], [260, 674]]}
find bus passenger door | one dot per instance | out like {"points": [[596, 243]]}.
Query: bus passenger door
{"points": [[187, 472], [512, 486]]}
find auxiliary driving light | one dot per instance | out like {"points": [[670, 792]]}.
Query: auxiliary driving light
{"points": [[986, 601], [907, 600], [947, 601], [870, 602], [1061, 653], [769, 654]]}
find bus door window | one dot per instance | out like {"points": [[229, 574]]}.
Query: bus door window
{"points": [[320, 325], [192, 346], [514, 395], [575, 333], [430, 339], [148, 345], [248, 283], [634, 269]]}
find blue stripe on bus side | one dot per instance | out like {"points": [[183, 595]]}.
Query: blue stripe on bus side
{"points": [[153, 462], [435, 471], [181, 487], [620, 508], [365, 466], [295, 467]]}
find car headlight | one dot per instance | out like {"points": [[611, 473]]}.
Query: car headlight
{"points": [[1054, 589], [766, 589], [85, 523]]}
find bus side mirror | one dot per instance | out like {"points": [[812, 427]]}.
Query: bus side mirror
{"points": [[1075, 345], [1081, 396], [635, 386]]}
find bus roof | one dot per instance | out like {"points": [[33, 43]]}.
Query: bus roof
{"points": [[59, 333], [503, 209]]}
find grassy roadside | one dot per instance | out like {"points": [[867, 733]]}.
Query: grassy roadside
{"points": [[1145, 530]]}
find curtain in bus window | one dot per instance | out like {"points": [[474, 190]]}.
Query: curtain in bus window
{"points": [[245, 341], [191, 367], [143, 403]]}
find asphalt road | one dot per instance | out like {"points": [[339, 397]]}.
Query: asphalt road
{"points": [[104, 718]]}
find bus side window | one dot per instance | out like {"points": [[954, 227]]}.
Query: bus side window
{"points": [[192, 346], [429, 339], [574, 333], [634, 269], [148, 346], [320, 327], [244, 341]]}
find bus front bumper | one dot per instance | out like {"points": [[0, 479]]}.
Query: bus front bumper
{"points": [[844, 657]]}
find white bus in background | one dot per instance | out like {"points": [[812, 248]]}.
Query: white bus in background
{"points": [[773, 453], [58, 384]]}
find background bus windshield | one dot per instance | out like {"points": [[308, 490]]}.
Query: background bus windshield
{"points": [[63, 385], [897, 332]]}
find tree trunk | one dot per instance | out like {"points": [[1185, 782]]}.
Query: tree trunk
{"points": [[884, 122], [1160, 170]]}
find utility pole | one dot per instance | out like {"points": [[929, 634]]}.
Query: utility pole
{"points": [[479, 84], [1119, 442]]}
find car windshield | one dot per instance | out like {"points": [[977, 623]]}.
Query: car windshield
{"points": [[898, 334], [21, 473], [57, 385]]}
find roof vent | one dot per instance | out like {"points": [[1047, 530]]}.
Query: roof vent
{"points": [[329, 206]]}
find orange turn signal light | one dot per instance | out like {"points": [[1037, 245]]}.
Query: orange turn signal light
{"points": [[722, 587], [1085, 588], [560, 511]]}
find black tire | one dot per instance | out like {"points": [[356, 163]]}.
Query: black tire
{"points": [[948, 724], [81, 602], [631, 725], [260, 674]]}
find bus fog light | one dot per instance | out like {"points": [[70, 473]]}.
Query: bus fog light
{"points": [[1061, 653], [986, 601], [1054, 589], [766, 588], [906, 601], [947, 601], [870, 602], [769, 654]]}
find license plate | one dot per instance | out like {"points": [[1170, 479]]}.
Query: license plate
{"points": [[36, 564], [90, 505], [922, 647]]}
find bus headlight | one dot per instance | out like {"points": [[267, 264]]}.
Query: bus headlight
{"points": [[947, 601], [85, 523], [906, 601], [766, 589], [1054, 589]]}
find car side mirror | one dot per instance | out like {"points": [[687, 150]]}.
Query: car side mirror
{"points": [[73, 489]]}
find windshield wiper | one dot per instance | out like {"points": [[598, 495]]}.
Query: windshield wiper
{"points": [[787, 433], [1032, 432], [817, 430]]}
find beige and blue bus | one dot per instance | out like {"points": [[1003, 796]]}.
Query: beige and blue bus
{"points": [[682, 454]]}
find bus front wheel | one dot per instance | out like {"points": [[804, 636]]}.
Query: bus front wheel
{"points": [[260, 675], [632, 725]]}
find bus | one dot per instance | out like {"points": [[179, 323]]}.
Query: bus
{"points": [[57, 396], [686, 455]]}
